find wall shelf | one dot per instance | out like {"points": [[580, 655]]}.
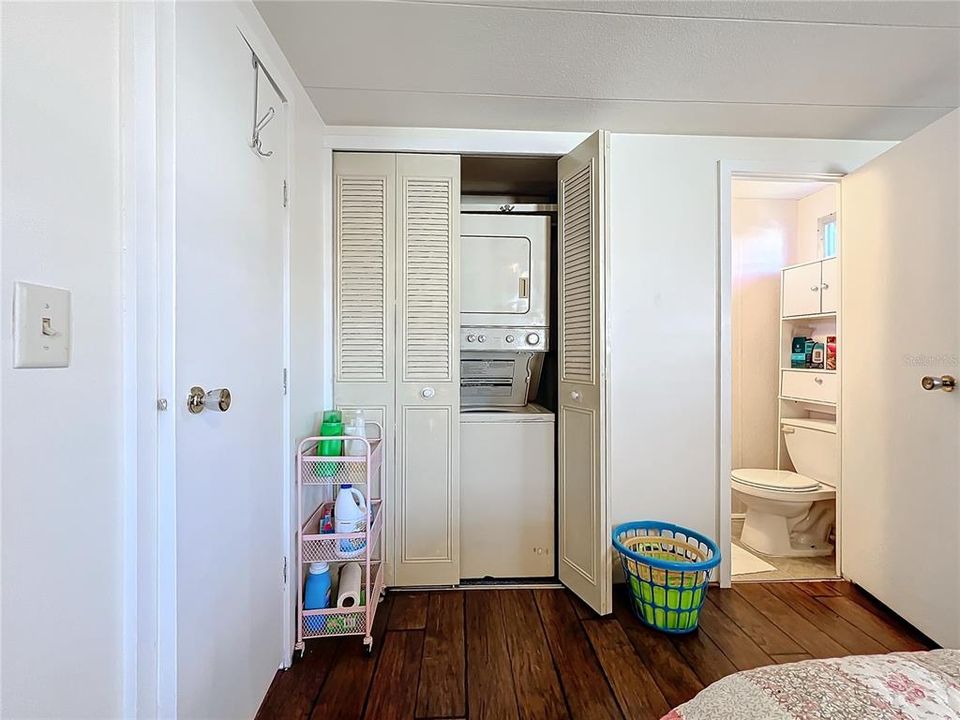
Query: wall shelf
{"points": [[812, 316]]}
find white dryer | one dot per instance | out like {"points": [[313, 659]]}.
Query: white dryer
{"points": [[507, 491]]}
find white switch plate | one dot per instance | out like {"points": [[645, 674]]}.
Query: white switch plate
{"points": [[41, 326]]}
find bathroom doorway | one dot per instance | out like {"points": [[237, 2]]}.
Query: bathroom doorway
{"points": [[784, 330]]}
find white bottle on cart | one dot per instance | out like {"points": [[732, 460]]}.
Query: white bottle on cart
{"points": [[350, 516], [357, 427]]}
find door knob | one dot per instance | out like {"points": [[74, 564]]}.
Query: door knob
{"points": [[575, 396], [427, 393], [945, 382], [815, 288], [217, 400]]}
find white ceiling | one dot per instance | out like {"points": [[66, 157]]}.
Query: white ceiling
{"points": [[774, 189], [854, 69]]}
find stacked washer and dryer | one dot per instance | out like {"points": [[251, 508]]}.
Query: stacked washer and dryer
{"points": [[507, 479]]}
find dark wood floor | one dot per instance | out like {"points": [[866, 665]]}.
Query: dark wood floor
{"points": [[543, 654]]}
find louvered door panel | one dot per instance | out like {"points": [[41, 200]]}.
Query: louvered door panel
{"points": [[427, 514], [578, 300], [361, 281], [427, 325], [365, 269], [584, 533]]}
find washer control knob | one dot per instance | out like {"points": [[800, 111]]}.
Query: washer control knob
{"points": [[533, 339], [481, 338], [471, 338], [509, 338]]}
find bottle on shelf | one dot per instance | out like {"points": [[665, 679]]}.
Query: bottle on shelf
{"points": [[332, 425], [356, 427], [317, 587], [350, 516]]}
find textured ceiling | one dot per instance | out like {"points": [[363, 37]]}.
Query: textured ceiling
{"points": [[871, 70]]}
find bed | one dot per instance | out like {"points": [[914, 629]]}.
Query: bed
{"points": [[897, 686]]}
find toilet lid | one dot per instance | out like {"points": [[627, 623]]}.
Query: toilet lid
{"points": [[782, 480]]}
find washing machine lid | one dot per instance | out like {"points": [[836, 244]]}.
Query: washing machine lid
{"points": [[526, 413], [782, 480]]}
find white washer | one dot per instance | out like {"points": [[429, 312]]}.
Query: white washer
{"points": [[507, 491]]}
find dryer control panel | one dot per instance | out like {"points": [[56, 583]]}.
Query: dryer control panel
{"points": [[530, 339]]}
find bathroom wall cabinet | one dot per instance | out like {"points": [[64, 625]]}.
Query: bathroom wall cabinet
{"points": [[811, 288]]}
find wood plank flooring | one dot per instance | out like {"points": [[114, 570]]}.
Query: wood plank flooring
{"points": [[542, 655]]}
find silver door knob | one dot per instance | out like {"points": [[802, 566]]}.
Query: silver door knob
{"points": [[815, 288], [945, 382], [575, 396], [217, 400], [471, 338], [427, 393]]}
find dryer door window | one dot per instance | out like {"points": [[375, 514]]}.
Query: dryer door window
{"points": [[495, 274]]}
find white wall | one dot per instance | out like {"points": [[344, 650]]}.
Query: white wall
{"points": [[809, 210], [763, 234], [664, 312], [61, 452]]}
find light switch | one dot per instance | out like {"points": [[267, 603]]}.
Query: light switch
{"points": [[41, 326]]}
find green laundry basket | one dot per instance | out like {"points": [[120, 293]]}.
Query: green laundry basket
{"points": [[667, 569]]}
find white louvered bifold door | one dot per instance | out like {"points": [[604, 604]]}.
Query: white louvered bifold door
{"points": [[584, 532], [364, 292], [427, 510]]}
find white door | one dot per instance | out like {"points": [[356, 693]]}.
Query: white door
{"points": [[584, 533], [829, 285], [801, 290], [901, 443], [427, 512], [228, 334]]}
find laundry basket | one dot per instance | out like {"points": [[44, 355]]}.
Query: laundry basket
{"points": [[667, 568]]}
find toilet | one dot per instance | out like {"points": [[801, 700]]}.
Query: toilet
{"points": [[792, 514]]}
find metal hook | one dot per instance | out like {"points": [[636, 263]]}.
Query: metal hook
{"points": [[261, 124], [267, 117], [258, 125]]}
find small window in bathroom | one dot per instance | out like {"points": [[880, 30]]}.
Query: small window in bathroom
{"points": [[827, 230]]}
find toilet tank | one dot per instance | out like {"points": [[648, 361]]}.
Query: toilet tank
{"points": [[812, 446]]}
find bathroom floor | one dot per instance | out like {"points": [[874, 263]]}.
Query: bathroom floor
{"points": [[788, 568]]}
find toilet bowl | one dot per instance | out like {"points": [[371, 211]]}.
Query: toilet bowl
{"points": [[792, 514]]}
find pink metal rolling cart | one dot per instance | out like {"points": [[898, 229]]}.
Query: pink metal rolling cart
{"points": [[328, 473]]}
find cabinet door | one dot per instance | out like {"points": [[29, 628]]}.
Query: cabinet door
{"points": [[584, 532], [427, 497], [364, 291], [829, 285], [801, 290]]}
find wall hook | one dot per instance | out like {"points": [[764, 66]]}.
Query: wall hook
{"points": [[259, 123]]}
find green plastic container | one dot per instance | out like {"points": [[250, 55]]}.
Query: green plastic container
{"points": [[332, 425]]}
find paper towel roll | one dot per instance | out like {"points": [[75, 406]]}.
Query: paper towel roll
{"points": [[348, 592]]}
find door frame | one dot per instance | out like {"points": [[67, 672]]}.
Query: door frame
{"points": [[147, 90], [728, 171], [462, 142]]}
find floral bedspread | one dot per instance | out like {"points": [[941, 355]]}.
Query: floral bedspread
{"points": [[898, 686]]}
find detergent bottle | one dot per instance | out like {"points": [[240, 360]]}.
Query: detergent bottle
{"points": [[350, 516]]}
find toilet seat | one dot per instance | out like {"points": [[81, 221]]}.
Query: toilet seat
{"points": [[779, 480]]}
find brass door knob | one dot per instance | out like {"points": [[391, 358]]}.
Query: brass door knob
{"points": [[945, 382]]}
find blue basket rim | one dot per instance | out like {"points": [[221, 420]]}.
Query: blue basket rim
{"points": [[708, 564]]}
